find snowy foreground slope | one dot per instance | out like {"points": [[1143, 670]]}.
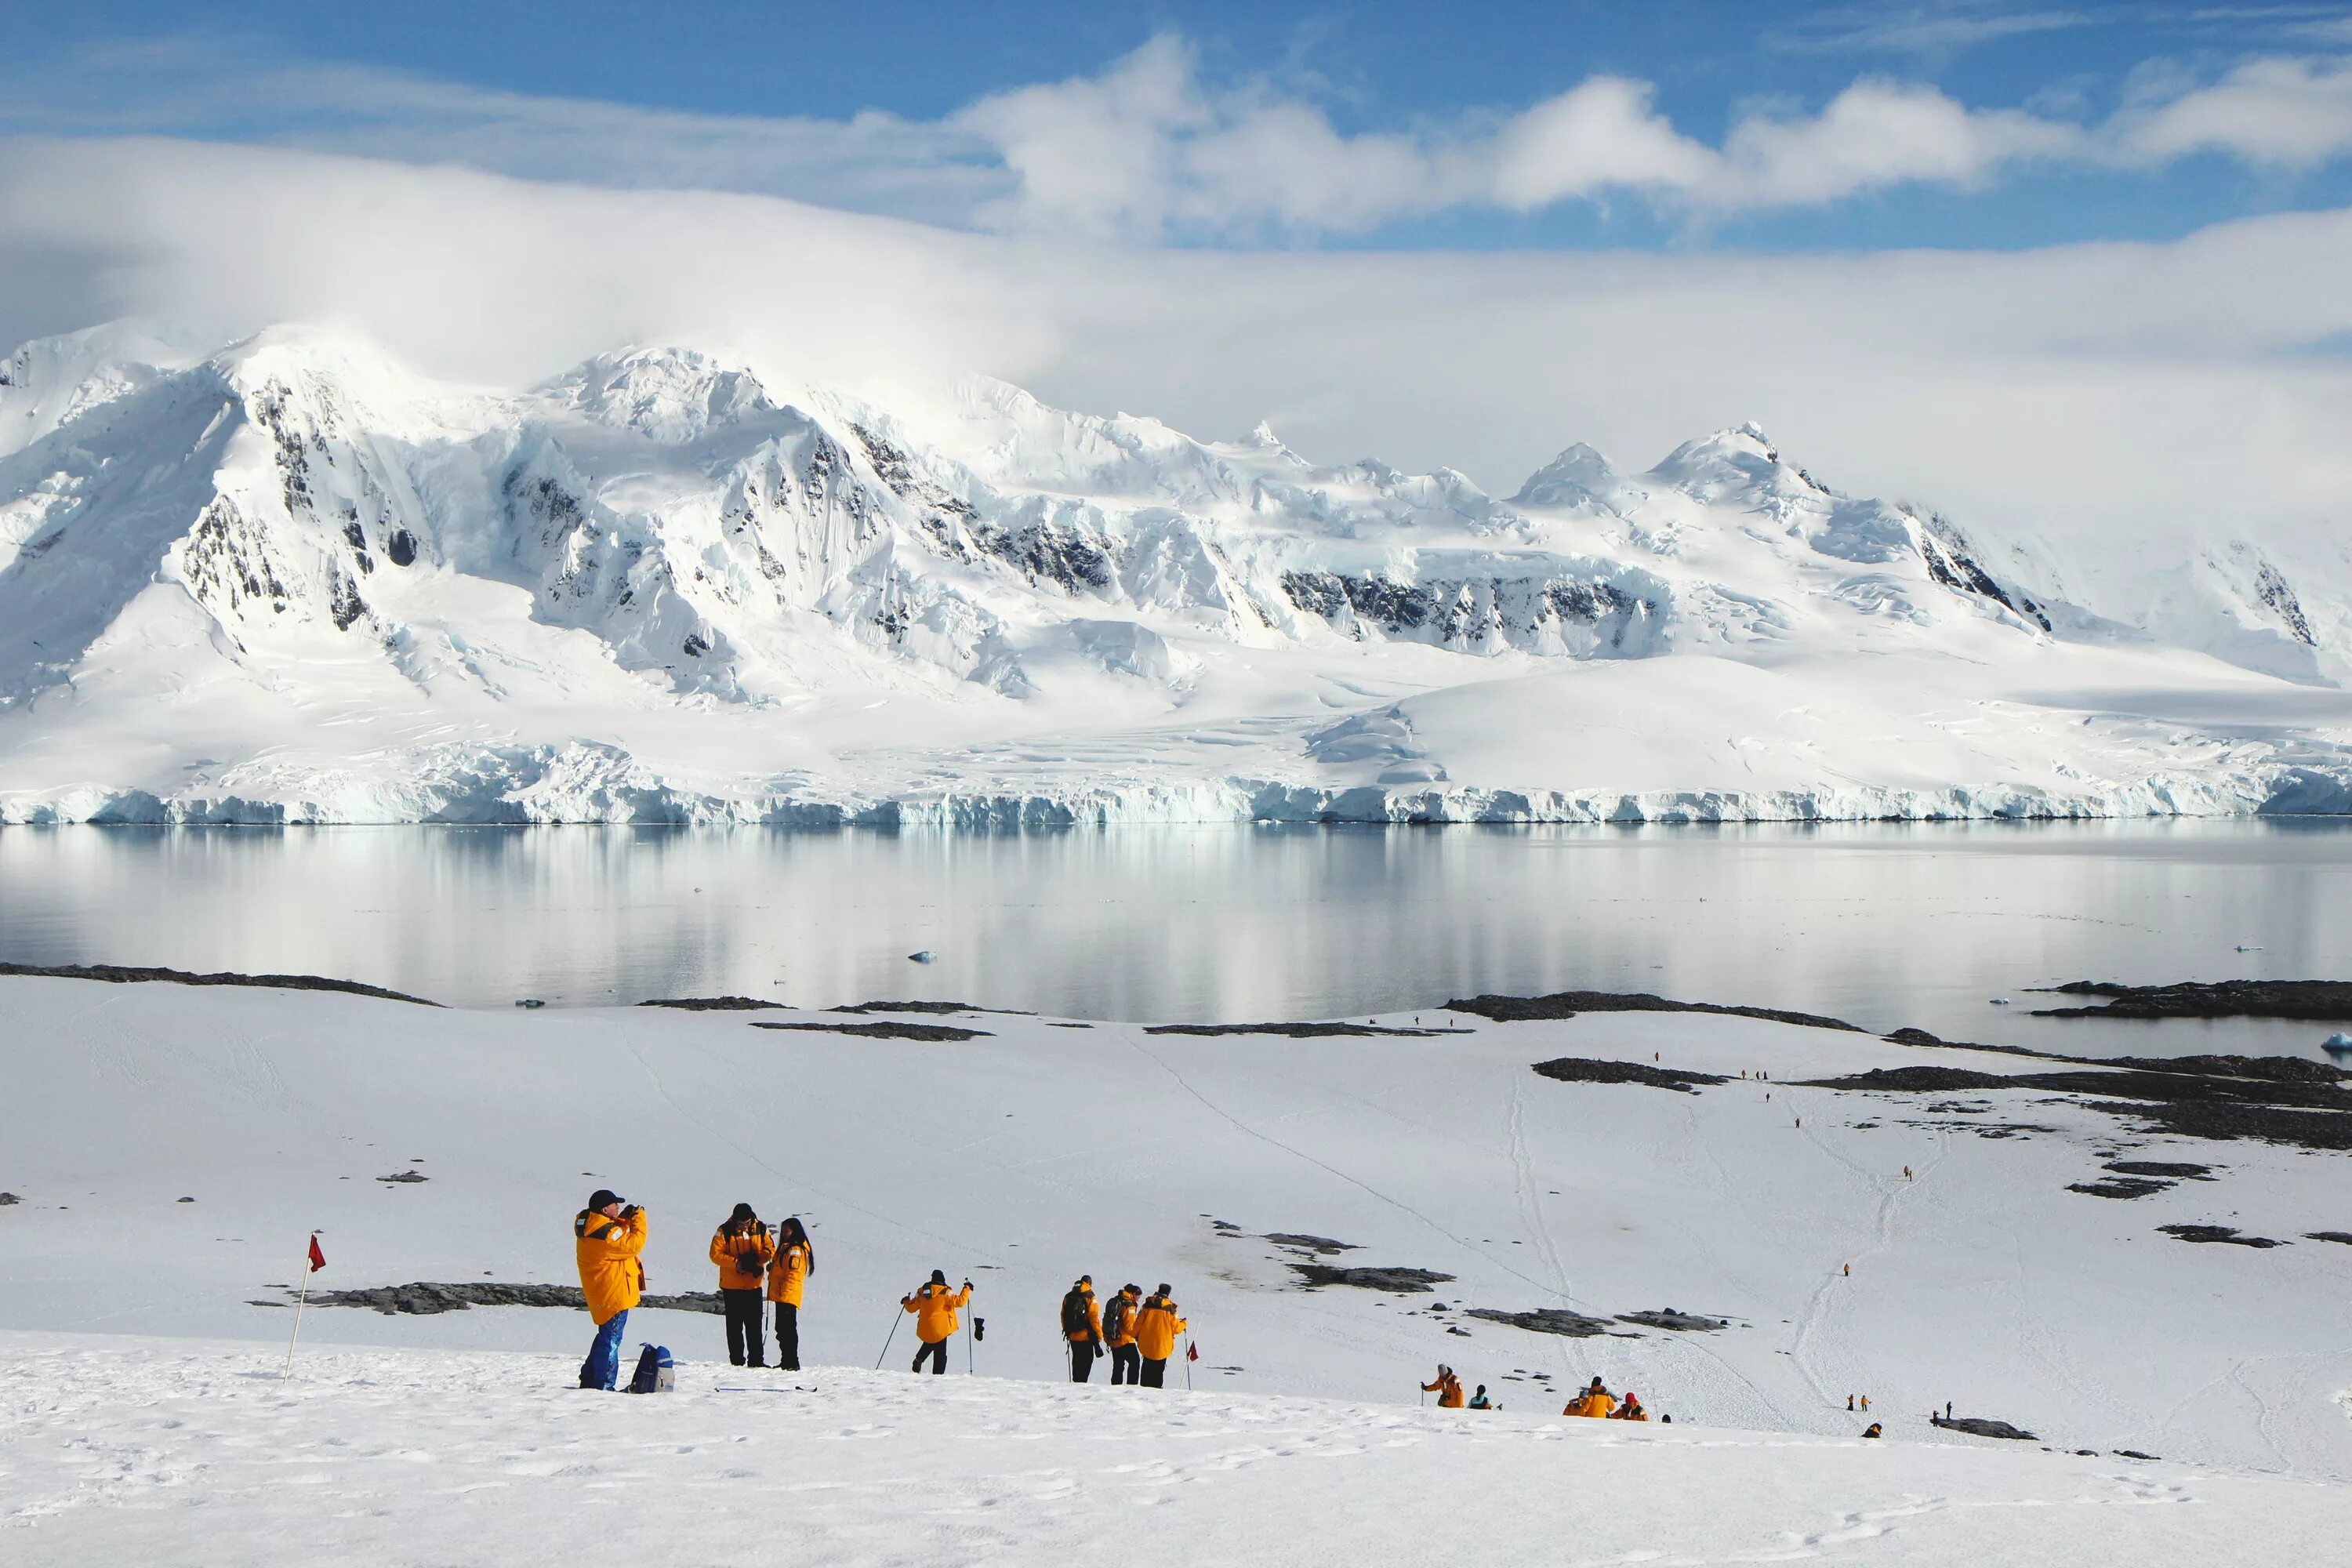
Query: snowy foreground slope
{"points": [[288, 581], [1043, 1148], [187, 1453]]}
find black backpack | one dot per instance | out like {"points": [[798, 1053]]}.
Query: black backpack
{"points": [[1075, 1323], [1115, 1316]]}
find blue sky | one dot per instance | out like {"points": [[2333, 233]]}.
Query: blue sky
{"points": [[1968, 124]]}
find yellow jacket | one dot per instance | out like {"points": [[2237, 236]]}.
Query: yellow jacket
{"points": [[1126, 1335], [1591, 1403], [1448, 1389], [788, 1273], [935, 1309], [612, 1275], [742, 1256], [1156, 1327]]}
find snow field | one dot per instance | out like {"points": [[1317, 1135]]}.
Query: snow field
{"points": [[190, 1453]]}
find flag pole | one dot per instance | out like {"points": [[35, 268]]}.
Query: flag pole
{"points": [[299, 1302]]}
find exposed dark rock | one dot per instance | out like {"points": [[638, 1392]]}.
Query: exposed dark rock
{"points": [[1400, 1281], [712, 1004], [405, 1176], [886, 1029], [2131, 1454], [401, 547], [2176, 1169], [1585, 1070], [2340, 1236], [2220, 1123], [2228, 1233], [2258, 1097], [2120, 1187], [1293, 1031], [426, 1299], [9, 1200], [2317, 999], [1568, 1004], [1301, 1242], [929, 1008], [118, 975], [1677, 1322], [1981, 1427], [1913, 1081], [1547, 1320], [2271, 1069]]}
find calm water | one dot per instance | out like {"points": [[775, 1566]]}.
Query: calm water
{"points": [[1884, 925]]}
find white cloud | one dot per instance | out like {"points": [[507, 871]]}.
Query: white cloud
{"points": [[1148, 150], [2097, 392]]}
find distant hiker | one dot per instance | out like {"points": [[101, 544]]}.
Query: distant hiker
{"points": [[1907, 1172], [1448, 1388], [1849, 1401], [1871, 1431], [1157, 1324], [609, 1237], [1865, 1404], [1118, 1335], [788, 1274], [1632, 1410], [1849, 1267], [1478, 1401], [934, 1306], [1082, 1327], [1948, 1410], [741, 1248], [1595, 1400]]}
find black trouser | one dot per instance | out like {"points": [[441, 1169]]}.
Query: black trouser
{"points": [[743, 1326], [1082, 1359], [1125, 1364], [936, 1353], [788, 1336], [1153, 1370]]}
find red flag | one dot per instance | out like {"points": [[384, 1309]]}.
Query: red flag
{"points": [[317, 1258], [1192, 1351]]}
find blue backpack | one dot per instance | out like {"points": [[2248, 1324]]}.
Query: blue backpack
{"points": [[656, 1374]]}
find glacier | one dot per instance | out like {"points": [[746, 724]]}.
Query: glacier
{"points": [[287, 580]]}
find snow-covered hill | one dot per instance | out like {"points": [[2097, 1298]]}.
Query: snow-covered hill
{"points": [[290, 581], [173, 1148]]}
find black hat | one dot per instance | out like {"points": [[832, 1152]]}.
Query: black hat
{"points": [[603, 1198], [742, 1212], [938, 1277], [1163, 1288], [1130, 1285]]}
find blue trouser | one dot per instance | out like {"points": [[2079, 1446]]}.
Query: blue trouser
{"points": [[602, 1367]]}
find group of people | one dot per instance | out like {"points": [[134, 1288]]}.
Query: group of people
{"points": [[1593, 1401], [1137, 1332]]}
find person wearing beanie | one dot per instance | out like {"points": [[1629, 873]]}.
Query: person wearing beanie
{"points": [[1157, 1324], [1448, 1389], [1119, 1334], [1082, 1327], [935, 1308], [741, 1248], [609, 1238]]}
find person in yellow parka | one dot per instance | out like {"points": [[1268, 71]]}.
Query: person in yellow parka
{"points": [[1119, 1334], [1596, 1402], [741, 1248], [795, 1261], [935, 1306], [610, 1237], [1082, 1327], [1157, 1325], [1448, 1388]]}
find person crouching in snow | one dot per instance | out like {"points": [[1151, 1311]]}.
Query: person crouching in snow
{"points": [[788, 1274], [1157, 1325], [934, 1306], [1479, 1401], [1448, 1388], [1118, 1335], [1631, 1410], [1595, 1400], [741, 1248], [609, 1237]]}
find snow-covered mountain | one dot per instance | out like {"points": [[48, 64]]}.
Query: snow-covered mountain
{"points": [[290, 581]]}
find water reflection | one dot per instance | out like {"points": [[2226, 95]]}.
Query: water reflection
{"points": [[1885, 925]]}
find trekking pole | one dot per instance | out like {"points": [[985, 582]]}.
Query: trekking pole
{"points": [[885, 1344], [968, 1368]]}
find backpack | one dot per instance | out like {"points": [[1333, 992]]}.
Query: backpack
{"points": [[1115, 1316], [656, 1374], [1074, 1316]]}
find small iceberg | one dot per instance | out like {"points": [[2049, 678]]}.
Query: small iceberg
{"points": [[926, 956], [2244, 948], [2001, 1001], [2338, 1044]]}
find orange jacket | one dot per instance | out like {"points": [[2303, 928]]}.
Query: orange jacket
{"points": [[1156, 1327], [1126, 1335], [788, 1273], [1448, 1389], [612, 1275], [935, 1309], [1597, 1402], [742, 1256]]}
